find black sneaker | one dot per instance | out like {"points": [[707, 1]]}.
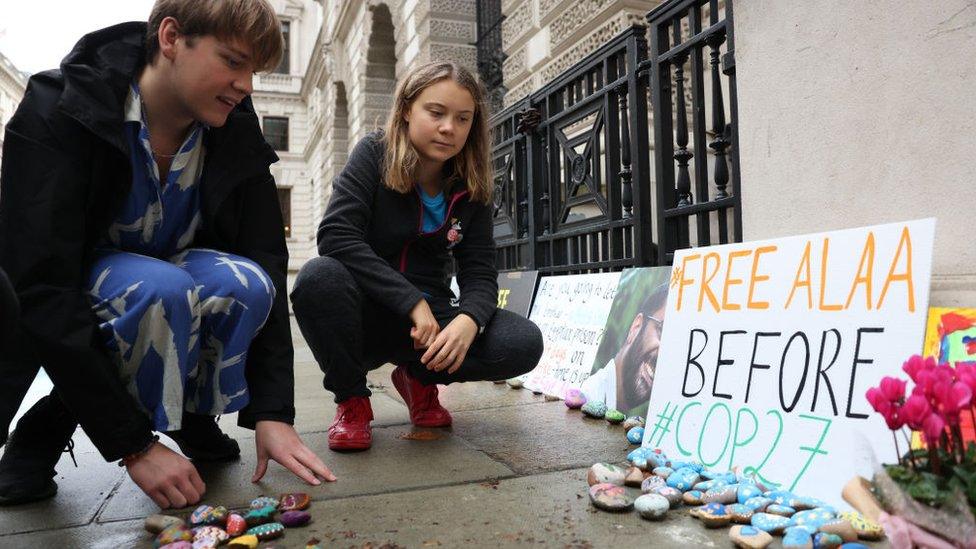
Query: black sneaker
{"points": [[200, 439], [34, 448]]}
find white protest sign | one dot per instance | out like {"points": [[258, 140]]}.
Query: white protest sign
{"points": [[770, 346], [571, 311]]}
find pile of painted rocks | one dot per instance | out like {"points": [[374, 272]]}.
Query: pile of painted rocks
{"points": [[208, 527], [721, 499]]}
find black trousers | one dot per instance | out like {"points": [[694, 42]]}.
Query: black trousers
{"points": [[349, 335]]}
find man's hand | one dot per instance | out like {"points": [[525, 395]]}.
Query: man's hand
{"points": [[451, 345], [166, 477], [279, 441], [425, 326]]}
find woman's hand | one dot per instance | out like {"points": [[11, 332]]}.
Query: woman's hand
{"points": [[451, 345], [167, 477], [279, 441], [425, 326]]}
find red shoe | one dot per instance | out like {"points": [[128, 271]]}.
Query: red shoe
{"points": [[350, 430], [425, 410]]}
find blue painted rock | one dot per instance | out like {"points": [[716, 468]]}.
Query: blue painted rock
{"points": [[841, 528], [614, 416], [154, 524], [651, 506], [740, 513], [594, 409], [713, 515], [656, 459], [293, 519], [663, 472], [638, 453], [652, 483], [683, 479], [782, 497], [770, 523], [823, 540], [854, 545], [691, 497], [781, 510], [200, 515], [214, 533], [704, 485], [812, 518], [748, 537], [261, 502], [798, 537], [758, 504], [610, 497], [605, 473], [633, 421], [865, 528], [236, 525], [574, 399], [803, 503], [723, 495], [172, 534], [635, 435], [298, 501], [746, 491], [256, 517], [672, 495], [267, 531]]}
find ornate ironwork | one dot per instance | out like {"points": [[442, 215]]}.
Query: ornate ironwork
{"points": [[489, 48]]}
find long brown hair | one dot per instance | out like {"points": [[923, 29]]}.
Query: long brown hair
{"points": [[472, 164]]}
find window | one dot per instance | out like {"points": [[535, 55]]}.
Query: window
{"points": [[285, 66], [276, 132], [284, 199]]}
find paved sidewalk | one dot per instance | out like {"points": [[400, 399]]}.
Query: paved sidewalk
{"points": [[510, 472]]}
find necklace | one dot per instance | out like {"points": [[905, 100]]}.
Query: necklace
{"points": [[142, 105], [161, 155]]}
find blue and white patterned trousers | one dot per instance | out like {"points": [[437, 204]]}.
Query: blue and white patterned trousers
{"points": [[180, 329]]}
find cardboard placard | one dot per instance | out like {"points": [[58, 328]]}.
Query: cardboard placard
{"points": [[516, 290], [770, 347]]}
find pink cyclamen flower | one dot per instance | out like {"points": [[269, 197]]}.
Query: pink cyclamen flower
{"points": [[966, 373], [950, 399], [915, 410], [915, 364], [893, 388], [933, 427], [888, 409]]}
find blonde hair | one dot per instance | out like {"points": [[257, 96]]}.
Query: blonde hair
{"points": [[253, 22], [472, 164]]}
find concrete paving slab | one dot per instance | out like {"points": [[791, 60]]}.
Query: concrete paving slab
{"points": [[114, 535], [543, 437], [393, 464], [480, 395], [81, 492]]}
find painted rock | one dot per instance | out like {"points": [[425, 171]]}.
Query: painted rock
{"points": [[607, 473], [294, 502], [865, 529], [610, 497], [154, 524], [639, 453], [693, 465], [691, 497], [723, 495], [713, 515], [633, 477], [614, 416], [740, 512], [798, 537], [749, 537], [635, 435], [178, 545], [655, 459], [551, 398], [204, 543], [782, 497], [594, 409], [663, 472], [172, 534], [841, 528], [803, 503], [243, 542], [256, 517], [236, 525], [574, 399], [200, 514], [633, 421], [514, 383], [267, 531], [651, 506], [703, 485], [214, 533], [758, 503], [261, 502], [823, 540], [746, 491], [770, 523], [781, 510], [652, 483], [293, 519], [854, 545], [812, 518], [672, 495], [683, 479]]}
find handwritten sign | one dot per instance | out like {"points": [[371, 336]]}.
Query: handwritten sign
{"points": [[770, 346], [571, 311]]}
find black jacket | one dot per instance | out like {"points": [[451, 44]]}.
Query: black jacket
{"points": [[376, 233], [65, 175]]}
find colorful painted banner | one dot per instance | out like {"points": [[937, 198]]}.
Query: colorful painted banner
{"points": [[571, 311], [950, 337], [770, 347]]}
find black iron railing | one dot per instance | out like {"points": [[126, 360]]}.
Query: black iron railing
{"points": [[574, 190]]}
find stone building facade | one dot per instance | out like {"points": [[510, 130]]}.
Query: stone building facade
{"points": [[12, 86]]}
